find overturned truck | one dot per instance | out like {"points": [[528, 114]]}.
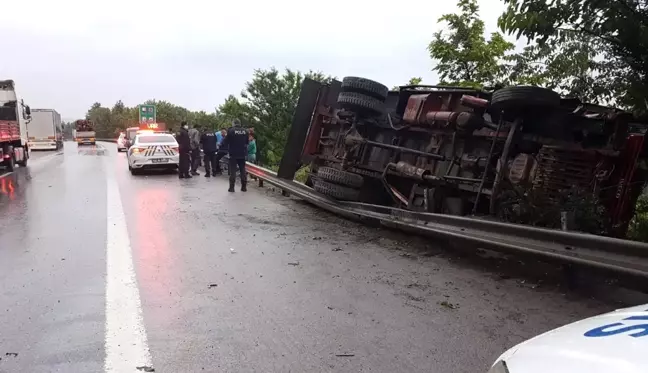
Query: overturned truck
{"points": [[516, 153]]}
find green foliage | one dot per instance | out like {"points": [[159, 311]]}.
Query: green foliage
{"points": [[462, 54], [526, 205], [268, 104], [569, 67], [617, 29], [638, 229], [412, 81], [110, 121]]}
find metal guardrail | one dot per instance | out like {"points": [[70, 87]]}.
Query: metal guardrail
{"points": [[628, 258]]}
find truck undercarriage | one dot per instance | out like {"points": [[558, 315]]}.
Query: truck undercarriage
{"points": [[521, 154]]}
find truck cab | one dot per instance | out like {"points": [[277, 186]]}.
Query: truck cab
{"points": [[14, 116]]}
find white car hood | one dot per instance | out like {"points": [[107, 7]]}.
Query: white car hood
{"points": [[608, 343]]}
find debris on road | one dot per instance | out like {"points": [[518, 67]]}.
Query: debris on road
{"points": [[210, 286], [232, 250], [344, 355], [336, 249], [449, 305], [317, 238], [293, 263], [145, 369]]}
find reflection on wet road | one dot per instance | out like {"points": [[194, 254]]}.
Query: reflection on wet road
{"points": [[101, 271]]}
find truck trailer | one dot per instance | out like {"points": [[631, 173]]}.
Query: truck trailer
{"points": [[14, 116], [44, 130], [520, 154]]}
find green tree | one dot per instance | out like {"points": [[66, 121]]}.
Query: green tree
{"points": [[462, 54], [102, 119], [570, 68], [412, 81], [268, 104], [616, 29]]}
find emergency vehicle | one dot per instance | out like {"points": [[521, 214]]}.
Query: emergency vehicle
{"points": [[152, 148], [612, 342]]}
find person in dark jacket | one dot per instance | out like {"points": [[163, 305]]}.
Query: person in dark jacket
{"points": [[222, 151], [184, 148], [237, 142], [209, 144]]}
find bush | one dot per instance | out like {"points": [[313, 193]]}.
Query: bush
{"points": [[526, 205], [638, 229]]}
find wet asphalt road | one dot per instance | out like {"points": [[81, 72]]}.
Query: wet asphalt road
{"points": [[249, 282]]}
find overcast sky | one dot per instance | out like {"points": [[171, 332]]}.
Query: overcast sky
{"points": [[67, 54]]}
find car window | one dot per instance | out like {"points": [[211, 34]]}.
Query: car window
{"points": [[149, 139]]}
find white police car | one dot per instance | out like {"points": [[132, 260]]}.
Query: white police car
{"points": [[152, 150], [613, 342]]}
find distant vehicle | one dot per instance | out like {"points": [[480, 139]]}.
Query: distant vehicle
{"points": [[130, 134], [121, 142], [85, 133], [44, 130], [150, 150], [612, 342], [14, 116]]}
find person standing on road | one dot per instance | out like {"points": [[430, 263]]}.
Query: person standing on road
{"points": [[194, 136], [251, 149], [210, 146], [222, 151], [184, 147], [236, 141]]}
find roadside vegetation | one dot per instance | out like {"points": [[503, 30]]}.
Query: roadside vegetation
{"points": [[590, 49]]}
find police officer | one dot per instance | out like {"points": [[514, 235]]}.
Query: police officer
{"points": [[236, 142], [209, 143], [184, 147]]}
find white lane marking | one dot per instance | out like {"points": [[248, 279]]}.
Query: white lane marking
{"points": [[126, 342]]}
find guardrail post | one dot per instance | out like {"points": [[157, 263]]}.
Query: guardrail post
{"points": [[567, 220]]}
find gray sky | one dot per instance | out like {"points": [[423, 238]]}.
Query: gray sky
{"points": [[71, 53]]}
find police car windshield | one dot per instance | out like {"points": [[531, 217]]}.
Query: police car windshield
{"points": [[148, 139]]}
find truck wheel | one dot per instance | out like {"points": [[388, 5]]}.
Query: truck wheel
{"points": [[365, 86], [339, 192], [23, 163], [10, 164], [340, 177], [360, 103], [524, 97]]}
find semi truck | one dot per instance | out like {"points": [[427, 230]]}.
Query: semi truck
{"points": [[85, 133], [520, 154], [14, 116], [44, 130]]}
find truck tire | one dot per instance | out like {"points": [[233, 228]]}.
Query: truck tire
{"points": [[340, 177], [10, 163], [524, 97], [338, 192], [362, 104], [23, 163], [365, 86]]}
